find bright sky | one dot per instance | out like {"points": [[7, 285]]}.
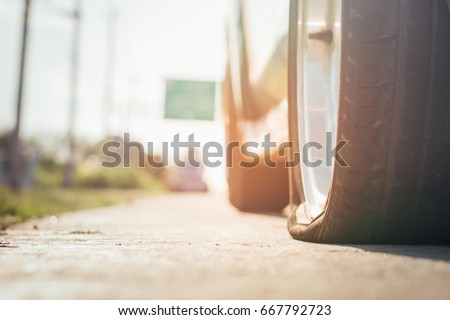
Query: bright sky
{"points": [[156, 39]]}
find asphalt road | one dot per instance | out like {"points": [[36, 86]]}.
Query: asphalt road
{"points": [[180, 246]]}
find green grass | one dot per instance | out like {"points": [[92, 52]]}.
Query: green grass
{"points": [[39, 202], [120, 178]]}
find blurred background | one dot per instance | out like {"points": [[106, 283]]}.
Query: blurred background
{"points": [[74, 73]]}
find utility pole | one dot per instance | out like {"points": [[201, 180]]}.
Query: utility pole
{"points": [[108, 99], [15, 158], [69, 169], [132, 103]]}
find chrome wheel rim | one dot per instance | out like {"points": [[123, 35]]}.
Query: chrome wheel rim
{"points": [[319, 54]]}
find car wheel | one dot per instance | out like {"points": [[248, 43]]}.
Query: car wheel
{"points": [[252, 189], [375, 75]]}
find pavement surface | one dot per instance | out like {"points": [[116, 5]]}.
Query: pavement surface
{"points": [[196, 246]]}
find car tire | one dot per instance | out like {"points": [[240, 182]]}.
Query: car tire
{"points": [[259, 189], [394, 113]]}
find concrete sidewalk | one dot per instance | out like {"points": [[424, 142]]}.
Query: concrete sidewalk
{"points": [[180, 246]]}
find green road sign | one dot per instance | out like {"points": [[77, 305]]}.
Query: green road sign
{"points": [[190, 100]]}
